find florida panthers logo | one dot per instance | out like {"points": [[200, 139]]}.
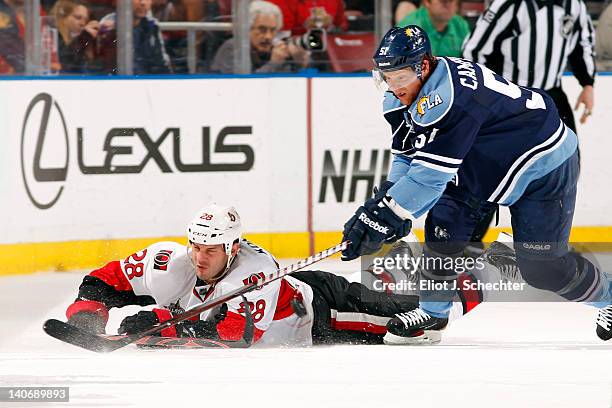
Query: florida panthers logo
{"points": [[427, 102]]}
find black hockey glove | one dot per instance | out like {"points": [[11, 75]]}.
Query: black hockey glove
{"points": [[202, 328], [144, 320], [373, 225], [139, 322]]}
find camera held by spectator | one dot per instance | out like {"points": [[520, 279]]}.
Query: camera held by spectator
{"points": [[287, 49], [271, 50], [314, 39]]}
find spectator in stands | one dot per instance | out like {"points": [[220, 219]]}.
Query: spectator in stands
{"points": [[268, 53], [301, 15], [603, 41], [12, 34], [149, 52], [12, 51], [77, 36], [402, 9], [446, 29]]}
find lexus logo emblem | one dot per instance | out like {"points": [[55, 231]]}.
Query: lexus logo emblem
{"points": [[44, 151]]}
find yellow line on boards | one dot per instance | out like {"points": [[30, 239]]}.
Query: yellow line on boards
{"points": [[70, 255]]}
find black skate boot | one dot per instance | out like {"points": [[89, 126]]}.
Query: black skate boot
{"points": [[414, 327], [501, 255], [604, 323]]}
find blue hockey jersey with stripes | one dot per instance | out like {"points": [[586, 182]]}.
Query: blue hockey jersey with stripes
{"points": [[472, 127]]}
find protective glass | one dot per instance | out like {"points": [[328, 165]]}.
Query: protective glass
{"points": [[391, 81]]}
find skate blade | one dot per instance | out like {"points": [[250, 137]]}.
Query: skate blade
{"points": [[427, 338]]}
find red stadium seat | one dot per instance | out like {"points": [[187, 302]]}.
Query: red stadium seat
{"points": [[351, 52]]}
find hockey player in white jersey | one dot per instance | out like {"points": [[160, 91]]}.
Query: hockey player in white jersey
{"points": [[307, 307]]}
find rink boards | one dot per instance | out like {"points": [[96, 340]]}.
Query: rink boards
{"points": [[95, 169]]}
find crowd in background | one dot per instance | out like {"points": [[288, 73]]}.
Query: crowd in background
{"points": [[79, 37]]}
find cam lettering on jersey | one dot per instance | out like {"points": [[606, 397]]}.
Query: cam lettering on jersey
{"points": [[466, 72]]}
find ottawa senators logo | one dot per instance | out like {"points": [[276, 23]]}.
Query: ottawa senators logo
{"points": [[254, 279], [161, 259]]}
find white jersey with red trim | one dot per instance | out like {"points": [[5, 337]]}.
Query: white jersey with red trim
{"points": [[164, 271], [273, 315]]}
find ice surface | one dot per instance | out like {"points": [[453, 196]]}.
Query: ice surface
{"points": [[501, 355]]}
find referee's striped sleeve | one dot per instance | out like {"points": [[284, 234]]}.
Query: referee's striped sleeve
{"points": [[490, 25], [582, 58]]}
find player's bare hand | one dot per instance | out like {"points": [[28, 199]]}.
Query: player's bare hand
{"points": [[280, 53], [585, 98]]}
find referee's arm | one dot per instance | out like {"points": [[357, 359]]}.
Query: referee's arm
{"points": [[490, 28], [582, 58], [582, 61]]}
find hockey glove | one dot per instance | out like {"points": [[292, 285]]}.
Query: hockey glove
{"points": [[90, 322], [88, 315], [372, 225], [202, 328], [144, 320], [140, 322]]}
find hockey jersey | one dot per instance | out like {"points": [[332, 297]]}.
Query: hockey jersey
{"points": [[472, 127], [271, 309], [165, 272]]}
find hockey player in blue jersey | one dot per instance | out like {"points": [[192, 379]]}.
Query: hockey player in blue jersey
{"points": [[465, 140]]}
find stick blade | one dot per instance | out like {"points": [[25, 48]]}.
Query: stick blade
{"points": [[80, 338]]}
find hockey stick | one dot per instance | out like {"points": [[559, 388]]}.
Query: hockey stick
{"points": [[70, 334], [103, 344]]}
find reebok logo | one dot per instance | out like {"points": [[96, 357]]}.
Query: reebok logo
{"points": [[373, 224]]}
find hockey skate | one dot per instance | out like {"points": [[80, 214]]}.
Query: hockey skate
{"points": [[604, 323], [414, 327], [501, 255]]}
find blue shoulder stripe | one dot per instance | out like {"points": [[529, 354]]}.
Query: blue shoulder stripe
{"points": [[436, 97]]}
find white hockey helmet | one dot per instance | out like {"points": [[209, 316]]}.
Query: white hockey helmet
{"points": [[215, 224]]}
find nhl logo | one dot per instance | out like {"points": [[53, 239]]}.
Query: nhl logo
{"points": [[567, 25]]}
